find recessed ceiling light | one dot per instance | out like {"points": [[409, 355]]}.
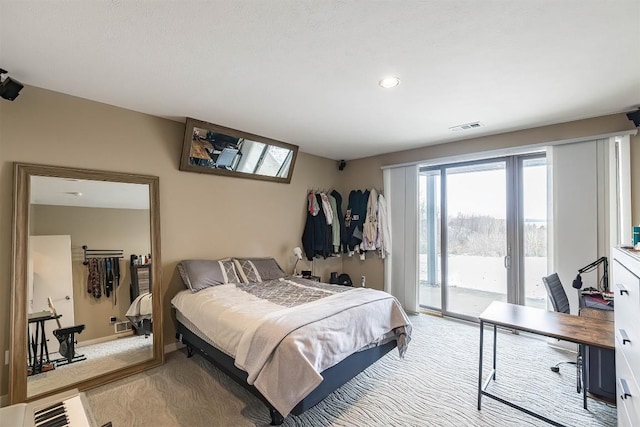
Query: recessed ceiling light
{"points": [[389, 82]]}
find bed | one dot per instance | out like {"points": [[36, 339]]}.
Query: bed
{"points": [[288, 340], [140, 313]]}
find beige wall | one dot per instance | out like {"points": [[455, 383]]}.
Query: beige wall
{"points": [[366, 172], [206, 216], [98, 228], [202, 216]]}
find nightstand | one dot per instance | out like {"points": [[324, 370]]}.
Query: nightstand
{"points": [[314, 278]]}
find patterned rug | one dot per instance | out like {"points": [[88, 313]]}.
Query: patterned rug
{"points": [[434, 385]]}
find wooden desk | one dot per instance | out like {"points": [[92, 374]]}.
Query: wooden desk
{"points": [[580, 330], [595, 313], [199, 149], [599, 363]]}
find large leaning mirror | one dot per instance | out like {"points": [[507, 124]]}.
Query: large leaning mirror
{"points": [[86, 281], [214, 149]]}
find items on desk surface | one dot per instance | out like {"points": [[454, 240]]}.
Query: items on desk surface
{"points": [[592, 298], [603, 283]]}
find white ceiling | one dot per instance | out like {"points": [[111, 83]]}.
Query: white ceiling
{"points": [[88, 193], [306, 71]]}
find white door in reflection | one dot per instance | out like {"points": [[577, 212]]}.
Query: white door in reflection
{"points": [[51, 277]]}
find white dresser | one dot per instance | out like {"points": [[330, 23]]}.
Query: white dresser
{"points": [[626, 285]]}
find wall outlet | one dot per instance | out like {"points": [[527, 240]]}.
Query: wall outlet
{"points": [[112, 320]]}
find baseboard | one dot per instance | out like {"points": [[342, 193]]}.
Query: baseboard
{"points": [[104, 339], [177, 345]]}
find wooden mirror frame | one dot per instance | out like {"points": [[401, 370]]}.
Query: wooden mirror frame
{"points": [[22, 174], [185, 164]]}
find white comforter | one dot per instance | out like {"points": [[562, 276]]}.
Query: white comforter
{"points": [[279, 346], [141, 308]]}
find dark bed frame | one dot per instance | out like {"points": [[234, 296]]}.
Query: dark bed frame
{"points": [[333, 378]]}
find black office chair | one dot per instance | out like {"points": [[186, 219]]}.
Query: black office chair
{"points": [[560, 303]]}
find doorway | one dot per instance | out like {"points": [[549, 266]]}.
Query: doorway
{"points": [[489, 219]]}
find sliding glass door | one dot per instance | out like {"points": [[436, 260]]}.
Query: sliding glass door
{"points": [[488, 218], [533, 200]]}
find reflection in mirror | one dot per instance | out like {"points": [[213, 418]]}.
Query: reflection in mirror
{"points": [[87, 278], [215, 149]]}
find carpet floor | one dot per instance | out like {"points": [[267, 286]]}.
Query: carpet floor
{"points": [[100, 358], [434, 385]]}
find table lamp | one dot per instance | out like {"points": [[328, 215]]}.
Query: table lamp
{"points": [[298, 253]]}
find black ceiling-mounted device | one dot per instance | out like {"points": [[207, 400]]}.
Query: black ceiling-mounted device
{"points": [[9, 88], [341, 164], [634, 116]]}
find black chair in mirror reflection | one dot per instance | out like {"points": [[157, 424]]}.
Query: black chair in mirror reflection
{"points": [[560, 304], [38, 358], [216, 150]]}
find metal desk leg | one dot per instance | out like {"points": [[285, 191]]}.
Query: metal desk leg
{"points": [[30, 348], [43, 347], [38, 357], [480, 365], [583, 353], [495, 346]]}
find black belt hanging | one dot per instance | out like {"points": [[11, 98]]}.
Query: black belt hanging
{"points": [[109, 278], [116, 278]]}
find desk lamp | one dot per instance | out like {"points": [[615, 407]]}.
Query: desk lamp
{"points": [[298, 253], [577, 282]]}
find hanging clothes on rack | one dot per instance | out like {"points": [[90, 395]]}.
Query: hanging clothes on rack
{"points": [[370, 225], [93, 279], [335, 226], [326, 208], [317, 234], [363, 227], [384, 228], [354, 218], [103, 271], [338, 227], [116, 278], [108, 287]]}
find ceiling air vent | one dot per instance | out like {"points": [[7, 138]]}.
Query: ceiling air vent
{"points": [[465, 126]]}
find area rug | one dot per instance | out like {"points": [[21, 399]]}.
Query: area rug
{"points": [[434, 385]]}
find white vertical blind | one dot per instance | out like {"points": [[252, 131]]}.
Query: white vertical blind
{"points": [[578, 216], [401, 267], [620, 190]]}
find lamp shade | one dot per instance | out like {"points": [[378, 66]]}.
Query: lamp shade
{"points": [[297, 252]]}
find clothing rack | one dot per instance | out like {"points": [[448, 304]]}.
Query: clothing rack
{"points": [[100, 253]]}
